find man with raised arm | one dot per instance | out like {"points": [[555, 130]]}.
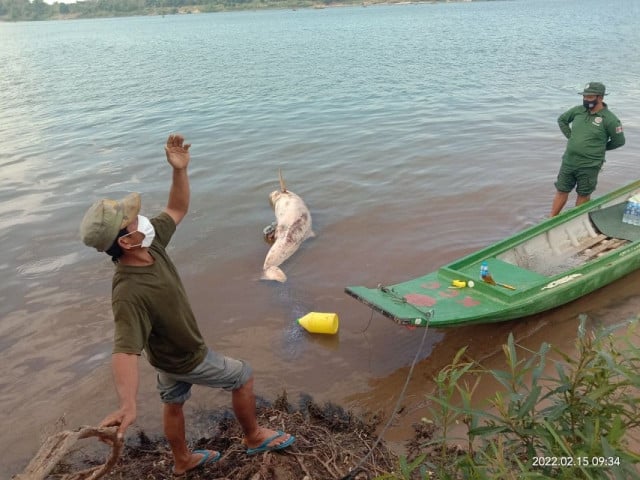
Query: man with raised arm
{"points": [[152, 314]]}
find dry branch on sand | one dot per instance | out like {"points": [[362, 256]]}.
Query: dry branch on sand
{"points": [[55, 448], [331, 443]]}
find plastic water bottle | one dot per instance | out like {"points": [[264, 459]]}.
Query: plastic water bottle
{"points": [[484, 270], [635, 213], [631, 213], [626, 216]]}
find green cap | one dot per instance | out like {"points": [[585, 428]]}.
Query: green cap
{"points": [[105, 218], [593, 88]]}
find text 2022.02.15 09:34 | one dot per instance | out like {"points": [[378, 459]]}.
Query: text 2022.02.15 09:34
{"points": [[583, 461]]}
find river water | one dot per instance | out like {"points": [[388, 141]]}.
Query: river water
{"points": [[415, 133]]}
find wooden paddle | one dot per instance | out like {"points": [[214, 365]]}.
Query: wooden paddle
{"points": [[489, 279]]}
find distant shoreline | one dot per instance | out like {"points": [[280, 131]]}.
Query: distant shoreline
{"points": [[198, 9], [12, 11]]}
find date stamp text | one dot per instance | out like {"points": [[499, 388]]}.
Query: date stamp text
{"points": [[583, 461]]}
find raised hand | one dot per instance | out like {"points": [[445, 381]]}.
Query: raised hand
{"points": [[177, 151]]}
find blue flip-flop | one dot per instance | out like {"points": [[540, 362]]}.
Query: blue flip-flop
{"points": [[264, 446], [207, 459]]}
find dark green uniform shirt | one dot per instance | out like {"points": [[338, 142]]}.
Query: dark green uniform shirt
{"points": [[152, 312], [590, 135]]}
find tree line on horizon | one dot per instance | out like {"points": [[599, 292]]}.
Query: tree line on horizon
{"points": [[26, 10]]}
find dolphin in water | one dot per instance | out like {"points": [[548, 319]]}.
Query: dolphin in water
{"points": [[292, 227]]}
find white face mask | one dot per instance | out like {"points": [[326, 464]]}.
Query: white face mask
{"points": [[146, 228]]}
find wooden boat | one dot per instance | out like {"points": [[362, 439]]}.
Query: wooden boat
{"points": [[559, 260]]}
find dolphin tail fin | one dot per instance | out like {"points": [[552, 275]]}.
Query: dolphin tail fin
{"points": [[274, 273]]}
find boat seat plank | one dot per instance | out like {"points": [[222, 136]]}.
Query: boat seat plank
{"points": [[585, 245], [603, 247]]}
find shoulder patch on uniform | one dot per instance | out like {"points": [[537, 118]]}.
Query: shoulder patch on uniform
{"points": [[619, 129]]}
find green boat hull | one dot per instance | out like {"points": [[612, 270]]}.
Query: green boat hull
{"points": [[548, 265]]}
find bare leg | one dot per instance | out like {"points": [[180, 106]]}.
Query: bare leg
{"points": [[581, 199], [559, 202], [244, 407], [243, 401], [175, 432]]}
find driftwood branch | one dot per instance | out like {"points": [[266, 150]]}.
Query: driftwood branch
{"points": [[58, 445]]}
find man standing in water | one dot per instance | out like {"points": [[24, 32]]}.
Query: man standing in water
{"points": [[591, 129], [152, 314]]}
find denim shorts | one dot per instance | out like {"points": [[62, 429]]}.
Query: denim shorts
{"points": [[215, 371]]}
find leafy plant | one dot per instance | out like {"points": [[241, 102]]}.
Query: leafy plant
{"points": [[572, 424]]}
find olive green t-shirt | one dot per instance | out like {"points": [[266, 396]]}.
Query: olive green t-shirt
{"points": [[152, 312], [590, 135]]}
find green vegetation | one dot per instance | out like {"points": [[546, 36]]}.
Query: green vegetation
{"points": [[19, 10], [573, 424]]}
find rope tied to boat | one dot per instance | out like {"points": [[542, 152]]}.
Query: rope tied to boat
{"points": [[424, 314], [354, 471]]}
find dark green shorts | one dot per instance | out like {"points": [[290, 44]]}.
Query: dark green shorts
{"points": [[584, 179]]}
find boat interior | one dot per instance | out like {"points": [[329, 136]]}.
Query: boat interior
{"points": [[573, 243]]}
